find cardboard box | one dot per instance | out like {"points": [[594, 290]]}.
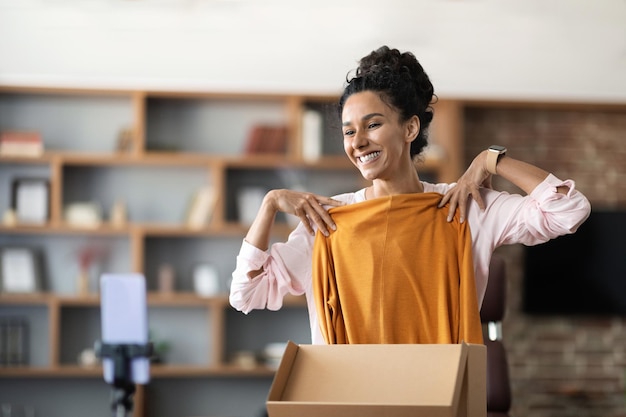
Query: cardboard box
{"points": [[380, 381]]}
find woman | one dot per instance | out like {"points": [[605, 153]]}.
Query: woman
{"points": [[385, 113]]}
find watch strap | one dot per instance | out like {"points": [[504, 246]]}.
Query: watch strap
{"points": [[492, 160]]}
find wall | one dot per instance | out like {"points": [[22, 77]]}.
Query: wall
{"points": [[560, 49], [532, 49], [561, 366]]}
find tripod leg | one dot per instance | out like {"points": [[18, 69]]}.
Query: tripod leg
{"points": [[122, 400]]}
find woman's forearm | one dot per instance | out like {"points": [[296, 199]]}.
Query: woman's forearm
{"points": [[522, 174], [260, 231]]}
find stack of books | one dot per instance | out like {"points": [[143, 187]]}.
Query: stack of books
{"points": [[267, 139], [201, 208], [13, 143], [13, 341]]}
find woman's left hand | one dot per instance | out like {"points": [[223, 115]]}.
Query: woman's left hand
{"points": [[468, 185]]}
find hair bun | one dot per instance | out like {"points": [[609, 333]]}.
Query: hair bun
{"points": [[382, 57], [427, 117], [401, 81]]}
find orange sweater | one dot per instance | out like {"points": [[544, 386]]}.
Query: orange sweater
{"points": [[395, 271]]}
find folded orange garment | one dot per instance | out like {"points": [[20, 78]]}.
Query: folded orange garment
{"points": [[395, 271]]}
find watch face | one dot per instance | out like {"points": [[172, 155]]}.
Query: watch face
{"points": [[497, 148]]}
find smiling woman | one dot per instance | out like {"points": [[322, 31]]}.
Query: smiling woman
{"points": [[380, 128], [401, 241]]}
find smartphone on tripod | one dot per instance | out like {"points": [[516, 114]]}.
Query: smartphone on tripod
{"points": [[125, 349]]}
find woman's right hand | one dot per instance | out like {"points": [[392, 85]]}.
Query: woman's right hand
{"points": [[475, 177], [308, 207]]}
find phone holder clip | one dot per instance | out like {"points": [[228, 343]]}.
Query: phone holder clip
{"points": [[123, 386]]}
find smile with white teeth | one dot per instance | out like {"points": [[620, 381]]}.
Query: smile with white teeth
{"points": [[366, 158]]}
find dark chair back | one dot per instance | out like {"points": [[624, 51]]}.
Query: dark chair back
{"points": [[491, 315]]}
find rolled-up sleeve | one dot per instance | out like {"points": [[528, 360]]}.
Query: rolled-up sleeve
{"points": [[285, 268], [542, 215], [509, 219], [566, 212]]}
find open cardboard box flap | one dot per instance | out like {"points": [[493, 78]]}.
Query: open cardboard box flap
{"points": [[380, 381]]}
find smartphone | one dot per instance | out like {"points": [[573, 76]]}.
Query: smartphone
{"points": [[124, 320]]}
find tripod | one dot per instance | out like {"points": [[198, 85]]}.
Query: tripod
{"points": [[123, 385]]}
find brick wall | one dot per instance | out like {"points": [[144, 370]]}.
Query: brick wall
{"points": [[560, 366]]}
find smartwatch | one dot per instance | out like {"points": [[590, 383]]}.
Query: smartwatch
{"points": [[495, 152]]}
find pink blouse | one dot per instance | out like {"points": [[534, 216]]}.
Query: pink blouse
{"points": [[507, 219]]}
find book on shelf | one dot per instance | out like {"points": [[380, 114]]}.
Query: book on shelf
{"points": [[266, 139], [13, 341], [30, 199], [16, 143], [201, 208], [312, 135]]}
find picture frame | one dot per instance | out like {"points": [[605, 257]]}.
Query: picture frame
{"points": [[19, 270], [30, 198]]}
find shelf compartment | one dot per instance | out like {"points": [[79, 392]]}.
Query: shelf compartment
{"points": [[59, 257], [64, 397], [150, 194], [214, 397], [91, 121], [11, 171], [252, 332], [80, 328], [331, 134], [327, 182], [34, 312], [183, 254], [186, 348], [208, 124]]}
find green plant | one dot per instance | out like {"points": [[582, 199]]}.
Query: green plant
{"points": [[160, 348]]}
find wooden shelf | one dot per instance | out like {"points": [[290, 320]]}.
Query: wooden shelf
{"points": [[145, 229], [81, 129], [185, 371], [50, 372], [137, 159], [156, 371], [64, 229], [38, 298], [154, 158], [46, 158], [184, 299]]}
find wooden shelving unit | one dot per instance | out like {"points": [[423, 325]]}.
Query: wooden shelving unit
{"points": [[180, 141]]}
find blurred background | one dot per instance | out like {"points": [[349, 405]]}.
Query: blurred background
{"points": [[533, 52], [557, 49]]}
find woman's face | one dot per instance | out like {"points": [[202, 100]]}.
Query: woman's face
{"points": [[374, 139]]}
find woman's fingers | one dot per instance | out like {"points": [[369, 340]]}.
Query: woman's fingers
{"points": [[322, 219], [451, 198], [330, 202], [458, 199], [310, 209], [444, 200], [317, 214]]}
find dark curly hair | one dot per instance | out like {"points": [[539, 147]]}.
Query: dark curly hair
{"points": [[401, 82]]}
